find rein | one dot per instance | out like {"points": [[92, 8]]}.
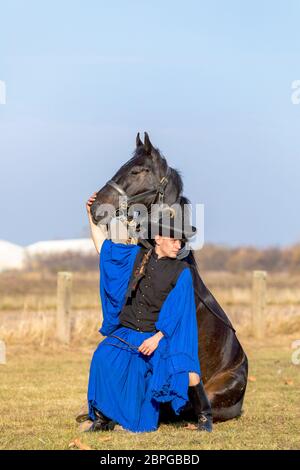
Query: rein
{"points": [[202, 296], [132, 346]]}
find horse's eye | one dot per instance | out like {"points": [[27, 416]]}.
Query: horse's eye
{"points": [[136, 171]]}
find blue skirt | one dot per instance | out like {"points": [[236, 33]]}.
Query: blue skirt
{"points": [[119, 382]]}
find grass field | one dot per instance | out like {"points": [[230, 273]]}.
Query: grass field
{"points": [[43, 385], [42, 389]]}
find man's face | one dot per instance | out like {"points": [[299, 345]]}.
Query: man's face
{"points": [[167, 246]]}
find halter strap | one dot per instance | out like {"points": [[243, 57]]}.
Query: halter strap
{"points": [[117, 187], [160, 189]]}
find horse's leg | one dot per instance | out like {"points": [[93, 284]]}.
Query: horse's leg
{"points": [[226, 392]]}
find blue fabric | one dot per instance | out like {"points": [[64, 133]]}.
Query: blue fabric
{"points": [[126, 385], [116, 264], [177, 353], [119, 382]]}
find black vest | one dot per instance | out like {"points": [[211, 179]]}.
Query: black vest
{"points": [[142, 305]]}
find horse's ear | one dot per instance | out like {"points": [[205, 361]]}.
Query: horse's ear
{"points": [[139, 143], [147, 144]]}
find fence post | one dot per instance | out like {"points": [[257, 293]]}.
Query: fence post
{"points": [[63, 314], [259, 290]]}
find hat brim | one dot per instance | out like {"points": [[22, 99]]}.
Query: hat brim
{"points": [[186, 233]]}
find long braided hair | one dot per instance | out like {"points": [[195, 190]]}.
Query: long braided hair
{"points": [[140, 270]]}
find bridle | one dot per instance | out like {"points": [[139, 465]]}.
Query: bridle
{"points": [[158, 190]]}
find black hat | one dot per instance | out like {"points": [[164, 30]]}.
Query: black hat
{"points": [[173, 225]]}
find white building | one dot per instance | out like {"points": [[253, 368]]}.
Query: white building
{"points": [[14, 256], [11, 256], [84, 246]]}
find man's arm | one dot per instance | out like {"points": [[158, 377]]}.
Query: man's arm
{"points": [[98, 232], [149, 345], [179, 303], [118, 230]]}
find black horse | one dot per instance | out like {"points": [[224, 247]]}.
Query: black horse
{"points": [[146, 178]]}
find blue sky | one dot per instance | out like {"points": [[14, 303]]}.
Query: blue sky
{"points": [[210, 82]]}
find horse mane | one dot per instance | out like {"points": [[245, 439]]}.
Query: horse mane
{"points": [[159, 165], [190, 259], [175, 176]]}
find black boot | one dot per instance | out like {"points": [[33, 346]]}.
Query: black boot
{"points": [[201, 406], [101, 423]]}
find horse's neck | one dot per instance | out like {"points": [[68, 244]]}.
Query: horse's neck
{"points": [[194, 270], [173, 189]]}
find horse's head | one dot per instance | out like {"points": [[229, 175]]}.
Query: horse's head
{"points": [[140, 179]]}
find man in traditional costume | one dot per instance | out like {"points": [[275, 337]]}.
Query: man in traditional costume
{"points": [[150, 353]]}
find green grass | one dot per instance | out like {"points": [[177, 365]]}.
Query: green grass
{"points": [[42, 389]]}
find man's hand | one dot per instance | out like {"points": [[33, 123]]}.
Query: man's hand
{"points": [[90, 202], [98, 232], [149, 345]]}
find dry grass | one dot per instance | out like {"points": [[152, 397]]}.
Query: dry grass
{"points": [[42, 389], [43, 385], [38, 328], [28, 305], [37, 290]]}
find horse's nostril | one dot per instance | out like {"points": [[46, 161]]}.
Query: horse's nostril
{"points": [[94, 212]]}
